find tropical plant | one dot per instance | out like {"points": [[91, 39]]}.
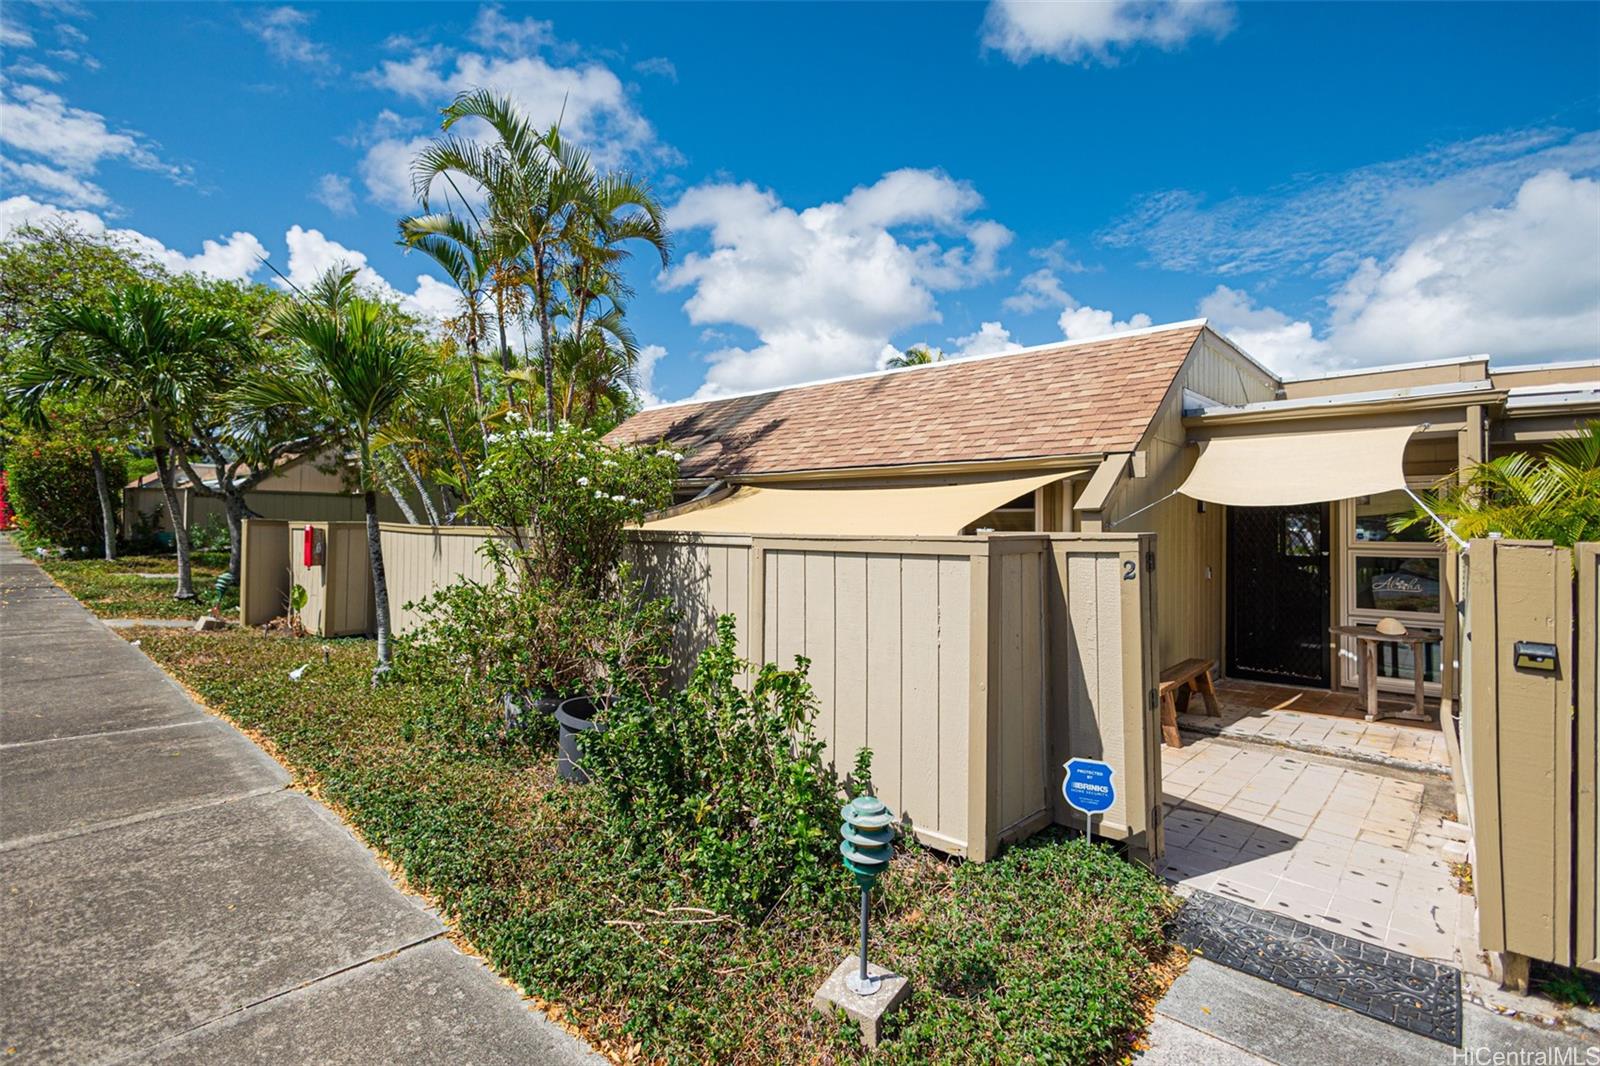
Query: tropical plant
{"points": [[1553, 495], [145, 352], [562, 224], [916, 355], [351, 363]]}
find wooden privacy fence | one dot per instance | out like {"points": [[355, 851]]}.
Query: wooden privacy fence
{"points": [[973, 667], [1530, 748], [338, 580]]}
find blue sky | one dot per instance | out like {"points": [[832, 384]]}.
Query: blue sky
{"points": [[1334, 185]]}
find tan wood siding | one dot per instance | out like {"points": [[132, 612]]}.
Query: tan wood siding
{"points": [[1587, 953], [263, 571], [420, 560]]}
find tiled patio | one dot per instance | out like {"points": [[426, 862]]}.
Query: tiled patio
{"points": [[1351, 848], [1319, 721]]}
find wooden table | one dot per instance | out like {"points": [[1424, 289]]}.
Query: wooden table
{"points": [[1367, 639]]}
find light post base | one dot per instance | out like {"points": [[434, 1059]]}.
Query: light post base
{"points": [[867, 1011], [862, 987]]}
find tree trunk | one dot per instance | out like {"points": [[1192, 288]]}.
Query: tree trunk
{"points": [[422, 490], [108, 509], [380, 586], [546, 356], [180, 531], [233, 506], [477, 390], [399, 497]]}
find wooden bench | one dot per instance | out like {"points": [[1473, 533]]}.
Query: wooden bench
{"points": [[1177, 682]]}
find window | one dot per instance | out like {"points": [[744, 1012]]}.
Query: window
{"points": [[1397, 584], [1374, 513]]}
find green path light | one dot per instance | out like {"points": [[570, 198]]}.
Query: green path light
{"points": [[867, 847]]}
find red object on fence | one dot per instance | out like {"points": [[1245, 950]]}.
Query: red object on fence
{"points": [[311, 546], [6, 515]]}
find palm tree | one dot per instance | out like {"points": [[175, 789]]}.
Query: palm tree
{"points": [[916, 355], [1551, 496], [548, 203], [145, 350], [352, 362]]}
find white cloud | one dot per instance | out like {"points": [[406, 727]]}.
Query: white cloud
{"points": [[659, 66], [1327, 222], [1520, 280], [991, 338], [1037, 291], [67, 188], [826, 287], [311, 253], [14, 36], [40, 122], [1081, 323], [282, 30], [1042, 289], [28, 68], [644, 373], [235, 258], [521, 59], [1098, 31], [333, 192]]}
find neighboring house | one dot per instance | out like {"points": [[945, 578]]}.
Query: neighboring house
{"points": [[1270, 497], [303, 488]]}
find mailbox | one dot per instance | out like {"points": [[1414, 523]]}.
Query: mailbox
{"points": [[1531, 655], [312, 546]]}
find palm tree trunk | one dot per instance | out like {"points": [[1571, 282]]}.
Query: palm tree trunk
{"points": [[399, 497], [422, 490], [108, 510], [380, 586], [180, 531], [546, 356], [233, 507], [477, 389]]}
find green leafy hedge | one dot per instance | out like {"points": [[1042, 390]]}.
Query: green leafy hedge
{"points": [[51, 487]]}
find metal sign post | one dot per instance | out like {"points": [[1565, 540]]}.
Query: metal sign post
{"points": [[1090, 787]]}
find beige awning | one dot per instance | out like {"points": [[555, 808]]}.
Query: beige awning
{"points": [[1281, 469], [926, 510]]}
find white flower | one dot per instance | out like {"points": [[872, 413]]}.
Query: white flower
{"points": [[618, 499], [677, 457], [583, 481], [513, 416], [599, 495]]}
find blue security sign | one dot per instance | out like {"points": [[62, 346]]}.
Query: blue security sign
{"points": [[1088, 786]]}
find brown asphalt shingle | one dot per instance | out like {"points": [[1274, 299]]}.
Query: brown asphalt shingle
{"points": [[1069, 400]]}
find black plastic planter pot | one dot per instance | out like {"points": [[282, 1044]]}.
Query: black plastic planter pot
{"points": [[524, 710], [576, 717]]}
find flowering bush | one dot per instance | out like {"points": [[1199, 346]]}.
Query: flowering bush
{"points": [[50, 482], [562, 498], [5, 503]]}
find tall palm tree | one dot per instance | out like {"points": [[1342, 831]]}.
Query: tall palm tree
{"points": [[916, 355], [551, 206], [352, 362], [150, 353]]}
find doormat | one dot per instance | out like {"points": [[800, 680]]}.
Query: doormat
{"points": [[1419, 996]]}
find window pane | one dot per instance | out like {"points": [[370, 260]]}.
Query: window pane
{"points": [[1400, 583], [1397, 661], [1374, 512]]}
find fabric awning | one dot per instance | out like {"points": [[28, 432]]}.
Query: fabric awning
{"points": [[926, 510], [1281, 469]]}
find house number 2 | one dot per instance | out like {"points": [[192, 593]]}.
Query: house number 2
{"points": [[1129, 569]]}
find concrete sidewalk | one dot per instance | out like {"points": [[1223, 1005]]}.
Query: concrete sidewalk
{"points": [[167, 898]]}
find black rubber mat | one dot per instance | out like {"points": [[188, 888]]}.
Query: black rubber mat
{"points": [[1419, 996]]}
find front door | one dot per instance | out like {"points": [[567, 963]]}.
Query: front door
{"points": [[1278, 605]]}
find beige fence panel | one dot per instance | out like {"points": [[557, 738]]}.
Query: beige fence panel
{"points": [[1587, 923], [1103, 680], [420, 560], [1520, 729], [338, 582], [887, 626], [263, 571], [706, 576]]}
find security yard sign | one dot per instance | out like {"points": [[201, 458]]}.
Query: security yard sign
{"points": [[1089, 787]]}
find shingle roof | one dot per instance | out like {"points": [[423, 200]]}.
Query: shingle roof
{"points": [[1069, 399]]}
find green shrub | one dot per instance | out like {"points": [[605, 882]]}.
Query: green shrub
{"points": [[726, 784], [562, 499], [51, 486]]}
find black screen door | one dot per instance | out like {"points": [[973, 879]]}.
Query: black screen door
{"points": [[1278, 594]]}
